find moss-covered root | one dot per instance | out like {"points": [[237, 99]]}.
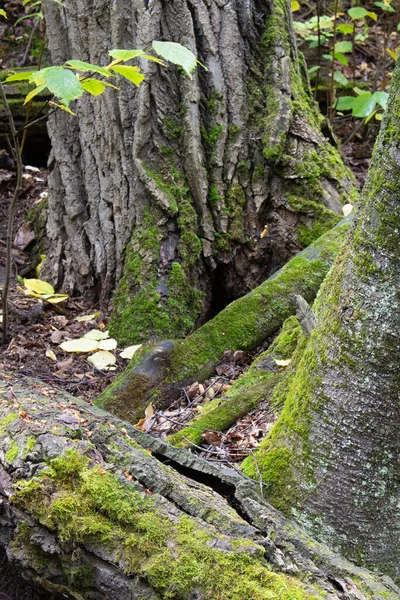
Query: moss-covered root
{"points": [[244, 324], [254, 386]]}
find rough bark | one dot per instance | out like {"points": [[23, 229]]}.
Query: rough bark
{"points": [[93, 508], [157, 375], [164, 191], [337, 442]]}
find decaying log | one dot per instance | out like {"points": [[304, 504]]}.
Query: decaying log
{"points": [[93, 508]]}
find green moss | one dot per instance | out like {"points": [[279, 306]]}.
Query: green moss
{"points": [[173, 128], [211, 135], [142, 309], [83, 505], [12, 452], [213, 197], [323, 219], [243, 324], [234, 131], [7, 420]]}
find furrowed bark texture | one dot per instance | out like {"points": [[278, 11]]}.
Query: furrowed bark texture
{"points": [[337, 443], [163, 191], [88, 512], [158, 375]]}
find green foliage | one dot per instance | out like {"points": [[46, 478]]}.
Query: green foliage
{"points": [[341, 32], [66, 84], [364, 104]]}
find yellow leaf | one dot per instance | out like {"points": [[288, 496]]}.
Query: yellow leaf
{"points": [[96, 334], [347, 209], [39, 266], [144, 424], [282, 363], [38, 286], [57, 298], [109, 344], [79, 345], [130, 351], [295, 5], [50, 354], [378, 116], [86, 318], [102, 359], [392, 53]]}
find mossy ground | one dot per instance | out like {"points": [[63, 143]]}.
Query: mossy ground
{"points": [[176, 557]]}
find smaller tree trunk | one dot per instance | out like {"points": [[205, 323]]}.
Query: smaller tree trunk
{"points": [[87, 512], [333, 457]]}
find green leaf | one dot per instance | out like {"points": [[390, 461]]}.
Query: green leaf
{"points": [[364, 105], [357, 13], [34, 93], [381, 98], [343, 47], [341, 58], [125, 55], [93, 86], [360, 91], [370, 117], [61, 82], [340, 78], [384, 6], [345, 103], [38, 15], [176, 54], [131, 73], [3, 13], [345, 28], [313, 69], [79, 65], [20, 76]]}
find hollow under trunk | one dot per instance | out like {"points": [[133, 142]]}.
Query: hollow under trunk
{"points": [[163, 191]]}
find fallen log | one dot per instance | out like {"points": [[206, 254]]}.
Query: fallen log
{"points": [[157, 375], [92, 508]]}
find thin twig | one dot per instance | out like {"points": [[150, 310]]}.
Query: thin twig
{"points": [[259, 474], [17, 192]]}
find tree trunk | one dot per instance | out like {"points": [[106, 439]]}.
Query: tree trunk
{"points": [[163, 192], [92, 508], [337, 441]]}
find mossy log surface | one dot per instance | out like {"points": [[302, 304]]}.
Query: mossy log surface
{"points": [[158, 375], [92, 508]]}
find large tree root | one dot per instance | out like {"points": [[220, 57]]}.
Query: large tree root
{"points": [[93, 508], [254, 386], [242, 325]]}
